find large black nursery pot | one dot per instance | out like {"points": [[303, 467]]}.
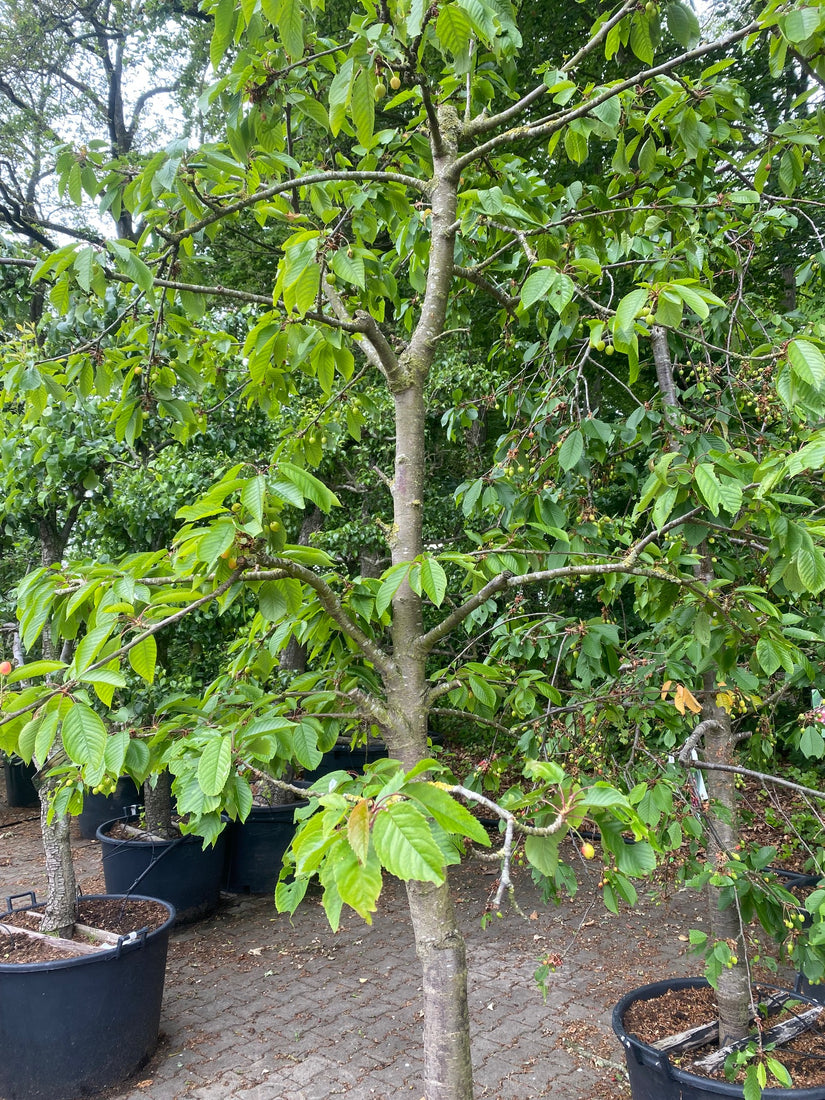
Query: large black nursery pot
{"points": [[343, 757], [652, 1075], [257, 846], [76, 1026], [181, 871], [20, 790], [97, 808]]}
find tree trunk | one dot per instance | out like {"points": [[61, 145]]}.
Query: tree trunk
{"points": [[61, 897], [733, 994], [448, 1069], [158, 806], [61, 893]]}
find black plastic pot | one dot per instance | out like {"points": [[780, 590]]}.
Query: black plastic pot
{"points": [[653, 1077], [98, 808], [257, 846], [345, 758], [180, 871], [20, 791], [73, 1027]]}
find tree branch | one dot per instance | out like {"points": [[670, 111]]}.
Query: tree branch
{"points": [[554, 123], [287, 185]]}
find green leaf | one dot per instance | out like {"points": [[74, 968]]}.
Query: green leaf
{"points": [[433, 580], [751, 1089], [801, 23], [807, 362], [393, 579], [305, 744], [536, 285], [601, 794], [358, 884], [253, 496], [571, 450], [36, 668], [629, 309], [214, 765], [340, 91], [223, 32], [561, 292], [90, 646], [291, 28], [542, 852], [84, 264], [483, 691], [636, 859], [449, 814], [363, 107], [84, 736], [143, 658], [309, 485], [405, 846], [683, 24], [708, 485], [218, 538], [349, 268], [773, 655], [46, 735], [810, 564], [454, 29]]}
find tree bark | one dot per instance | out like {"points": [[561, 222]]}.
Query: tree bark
{"points": [[158, 806], [61, 891], [440, 945], [733, 992], [448, 1069], [61, 899]]}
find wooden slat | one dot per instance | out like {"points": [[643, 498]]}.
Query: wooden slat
{"points": [[781, 1033], [698, 1036], [71, 947], [98, 934]]}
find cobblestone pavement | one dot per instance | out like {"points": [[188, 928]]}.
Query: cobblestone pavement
{"points": [[261, 1007]]}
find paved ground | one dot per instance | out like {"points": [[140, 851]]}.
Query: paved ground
{"points": [[258, 1007]]}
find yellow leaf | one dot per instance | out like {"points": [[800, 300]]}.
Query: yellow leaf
{"points": [[725, 700], [691, 702], [679, 698], [665, 689]]}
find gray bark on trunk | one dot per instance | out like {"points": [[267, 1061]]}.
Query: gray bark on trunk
{"points": [[440, 944], [448, 1069], [158, 806], [733, 994], [61, 898]]}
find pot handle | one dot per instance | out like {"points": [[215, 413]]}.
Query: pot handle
{"points": [[32, 900], [138, 937], [650, 1058]]}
